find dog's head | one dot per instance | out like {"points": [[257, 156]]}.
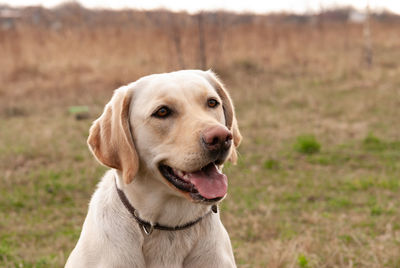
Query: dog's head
{"points": [[180, 127]]}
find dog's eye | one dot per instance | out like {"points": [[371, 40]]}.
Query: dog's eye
{"points": [[162, 112], [212, 103]]}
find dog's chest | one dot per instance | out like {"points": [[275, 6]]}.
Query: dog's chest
{"points": [[168, 249]]}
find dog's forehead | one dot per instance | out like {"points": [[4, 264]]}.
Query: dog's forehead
{"points": [[182, 85]]}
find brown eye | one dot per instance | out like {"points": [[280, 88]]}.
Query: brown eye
{"points": [[163, 112], [212, 103]]}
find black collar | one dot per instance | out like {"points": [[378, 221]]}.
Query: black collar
{"points": [[147, 227]]}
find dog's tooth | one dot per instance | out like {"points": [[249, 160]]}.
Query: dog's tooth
{"points": [[179, 173], [175, 171], [185, 177]]}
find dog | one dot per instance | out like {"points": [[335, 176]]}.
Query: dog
{"points": [[165, 138]]}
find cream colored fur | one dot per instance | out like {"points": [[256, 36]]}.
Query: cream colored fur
{"points": [[132, 142]]}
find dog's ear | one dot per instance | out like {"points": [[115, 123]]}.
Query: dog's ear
{"points": [[229, 111], [110, 138]]}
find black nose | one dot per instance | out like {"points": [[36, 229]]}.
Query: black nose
{"points": [[217, 139]]}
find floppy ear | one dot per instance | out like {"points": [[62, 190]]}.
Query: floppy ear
{"points": [[229, 111], [110, 137]]}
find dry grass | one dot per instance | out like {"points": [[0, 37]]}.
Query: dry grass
{"points": [[338, 207]]}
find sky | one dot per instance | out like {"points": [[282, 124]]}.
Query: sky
{"points": [[257, 6]]}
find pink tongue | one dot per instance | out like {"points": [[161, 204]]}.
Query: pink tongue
{"points": [[210, 182]]}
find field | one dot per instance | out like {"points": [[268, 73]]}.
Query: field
{"points": [[318, 178]]}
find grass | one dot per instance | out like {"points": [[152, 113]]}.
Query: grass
{"points": [[326, 200], [307, 144], [302, 261]]}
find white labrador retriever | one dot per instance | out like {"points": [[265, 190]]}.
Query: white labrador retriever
{"points": [[166, 137]]}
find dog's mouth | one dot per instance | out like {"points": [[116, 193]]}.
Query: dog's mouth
{"points": [[205, 185]]}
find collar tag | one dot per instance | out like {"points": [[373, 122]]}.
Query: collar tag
{"points": [[147, 229]]}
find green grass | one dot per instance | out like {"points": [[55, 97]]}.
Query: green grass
{"points": [[345, 193], [302, 261], [307, 144], [271, 164]]}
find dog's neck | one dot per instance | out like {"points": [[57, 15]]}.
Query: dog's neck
{"points": [[156, 204]]}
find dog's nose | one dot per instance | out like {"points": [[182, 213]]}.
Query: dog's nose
{"points": [[217, 139]]}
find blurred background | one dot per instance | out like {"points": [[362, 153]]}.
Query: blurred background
{"points": [[317, 91]]}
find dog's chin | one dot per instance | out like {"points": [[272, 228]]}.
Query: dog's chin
{"points": [[206, 185]]}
